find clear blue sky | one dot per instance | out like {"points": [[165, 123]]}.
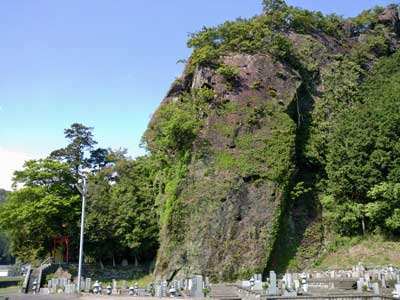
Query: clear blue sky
{"points": [[102, 63]]}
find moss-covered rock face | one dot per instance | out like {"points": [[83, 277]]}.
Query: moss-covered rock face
{"points": [[241, 139], [241, 162]]}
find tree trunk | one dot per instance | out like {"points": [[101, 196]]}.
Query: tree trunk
{"points": [[113, 258]]}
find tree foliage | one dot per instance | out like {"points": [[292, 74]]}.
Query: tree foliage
{"points": [[122, 221], [363, 154], [46, 207], [121, 217]]}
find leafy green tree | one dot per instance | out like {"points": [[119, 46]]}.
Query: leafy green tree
{"points": [[364, 152], [80, 152], [272, 5], [384, 211], [5, 254], [45, 207], [122, 218]]}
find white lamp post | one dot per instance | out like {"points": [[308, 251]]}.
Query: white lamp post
{"points": [[83, 191]]}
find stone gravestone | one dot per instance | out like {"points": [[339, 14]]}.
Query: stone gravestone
{"points": [[206, 282], [123, 285], [257, 285], [288, 280], [272, 289], [54, 282], [69, 288], [114, 287], [49, 284], [360, 284], [296, 284], [189, 283], [197, 286], [88, 284], [246, 283], [181, 284], [54, 285], [64, 282], [83, 286], [157, 290], [375, 288], [164, 288], [397, 288]]}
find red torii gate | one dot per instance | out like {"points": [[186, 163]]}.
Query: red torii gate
{"points": [[61, 240]]}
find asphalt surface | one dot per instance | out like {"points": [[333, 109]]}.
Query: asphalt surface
{"points": [[75, 297], [39, 297]]}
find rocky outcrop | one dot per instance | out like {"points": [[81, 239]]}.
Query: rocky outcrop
{"points": [[390, 17], [233, 204], [250, 150]]}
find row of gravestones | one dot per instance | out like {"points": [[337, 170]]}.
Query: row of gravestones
{"points": [[193, 286], [358, 271], [256, 284], [365, 284], [65, 285], [292, 283]]}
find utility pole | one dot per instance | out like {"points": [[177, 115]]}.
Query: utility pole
{"points": [[83, 191]]}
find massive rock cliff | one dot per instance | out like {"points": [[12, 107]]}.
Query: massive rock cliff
{"points": [[225, 214]]}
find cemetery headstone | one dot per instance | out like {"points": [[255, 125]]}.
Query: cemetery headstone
{"points": [[272, 289], [164, 288], [257, 285], [157, 290], [360, 284], [296, 284], [246, 283], [197, 286], [88, 284], [288, 280], [397, 288], [375, 288], [114, 287]]}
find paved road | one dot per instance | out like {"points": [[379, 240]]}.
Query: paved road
{"points": [[74, 297], [39, 297]]}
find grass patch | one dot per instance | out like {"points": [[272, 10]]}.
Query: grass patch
{"points": [[9, 290], [17, 278], [372, 250]]}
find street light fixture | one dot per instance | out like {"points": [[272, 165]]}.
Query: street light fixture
{"points": [[83, 191]]}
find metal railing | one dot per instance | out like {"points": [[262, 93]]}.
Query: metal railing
{"points": [[24, 288], [45, 264]]}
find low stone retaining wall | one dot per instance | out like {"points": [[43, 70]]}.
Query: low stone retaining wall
{"points": [[247, 294]]}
